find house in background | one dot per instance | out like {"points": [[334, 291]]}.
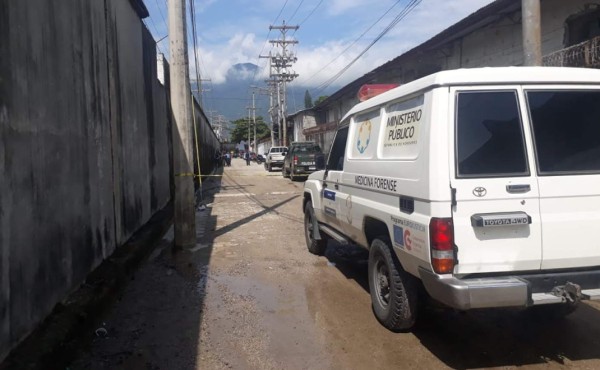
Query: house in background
{"points": [[300, 121], [490, 37]]}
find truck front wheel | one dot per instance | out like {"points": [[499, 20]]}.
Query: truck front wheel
{"points": [[394, 292], [314, 246]]}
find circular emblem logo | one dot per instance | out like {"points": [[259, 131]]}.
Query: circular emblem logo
{"points": [[479, 192], [407, 239], [364, 137]]}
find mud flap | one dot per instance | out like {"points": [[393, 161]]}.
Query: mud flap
{"points": [[316, 232]]}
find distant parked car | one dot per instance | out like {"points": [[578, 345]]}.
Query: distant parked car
{"points": [[303, 158], [275, 157]]}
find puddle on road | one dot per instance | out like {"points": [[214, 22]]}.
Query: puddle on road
{"points": [[273, 311]]}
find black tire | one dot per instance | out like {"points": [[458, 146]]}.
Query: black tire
{"points": [[394, 292], [270, 168], [314, 246], [284, 172]]}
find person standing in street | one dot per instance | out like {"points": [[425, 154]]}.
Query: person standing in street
{"points": [[247, 156], [227, 159]]}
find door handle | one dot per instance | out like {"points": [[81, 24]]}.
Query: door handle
{"points": [[520, 188], [336, 186]]}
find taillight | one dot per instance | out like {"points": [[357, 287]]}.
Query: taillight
{"points": [[295, 160], [441, 236]]}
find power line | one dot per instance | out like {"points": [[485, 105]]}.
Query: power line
{"points": [[295, 11], [311, 13], [281, 11], [162, 15], [156, 29], [195, 42], [352, 44], [407, 9], [263, 48], [165, 23]]}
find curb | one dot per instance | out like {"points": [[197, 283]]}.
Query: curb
{"points": [[54, 343]]}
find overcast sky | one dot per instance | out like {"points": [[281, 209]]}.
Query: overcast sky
{"points": [[236, 31]]}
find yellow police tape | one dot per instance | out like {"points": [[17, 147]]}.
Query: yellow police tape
{"points": [[186, 174]]}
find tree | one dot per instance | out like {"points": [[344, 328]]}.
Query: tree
{"points": [[320, 99], [240, 129], [308, 103]]}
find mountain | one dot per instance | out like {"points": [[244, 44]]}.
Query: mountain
{"points": [[232, 97]]}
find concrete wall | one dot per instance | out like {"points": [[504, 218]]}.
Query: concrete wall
{"points": [[85, 147], [498, 44], [208, 143]]}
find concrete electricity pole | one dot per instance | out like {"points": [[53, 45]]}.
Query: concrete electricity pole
{"points": [[183, 145], [254, 123], [281, 75], [268, 91], [532, 32]]}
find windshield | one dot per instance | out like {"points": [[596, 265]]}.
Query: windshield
{"points": [[307, 149]]}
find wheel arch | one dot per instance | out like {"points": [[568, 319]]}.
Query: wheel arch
{"points": [[307, 198], [374, 227]]}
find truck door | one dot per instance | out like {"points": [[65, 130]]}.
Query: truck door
{"points": [[332, 197], [496, 198], [564, 122]]}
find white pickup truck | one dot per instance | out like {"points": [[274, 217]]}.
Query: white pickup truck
{"points": [[480, 187], [275, 157]]}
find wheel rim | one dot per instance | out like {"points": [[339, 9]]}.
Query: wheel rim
{"points": [[381, 280]]}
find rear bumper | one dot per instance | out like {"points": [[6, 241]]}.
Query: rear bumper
{"points": [[507, 291], [275, 162]]}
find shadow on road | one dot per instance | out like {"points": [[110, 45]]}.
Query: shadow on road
{"points": [[488, 338]]}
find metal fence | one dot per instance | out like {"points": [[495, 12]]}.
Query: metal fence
{"points": [[585, 54]]}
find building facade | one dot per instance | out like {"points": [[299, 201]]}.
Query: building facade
{"points": [[490, 37]]}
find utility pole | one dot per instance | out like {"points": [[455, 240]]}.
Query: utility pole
{"points": [[252, 120], [254, 123], [280, 74], [532, 32], [268, 91], [183, 144], [249, 124]]}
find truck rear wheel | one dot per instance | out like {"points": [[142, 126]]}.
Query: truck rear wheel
{"points": [[394, 292], [314, 246]]}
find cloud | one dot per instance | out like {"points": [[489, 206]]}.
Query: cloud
{"points": [[338, 7], [230, 42], [216, 60]]}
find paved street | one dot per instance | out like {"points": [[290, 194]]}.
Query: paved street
{"points": [[250, 296]]}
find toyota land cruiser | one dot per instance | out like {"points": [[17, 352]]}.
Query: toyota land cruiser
{"points": [[480, 186]]}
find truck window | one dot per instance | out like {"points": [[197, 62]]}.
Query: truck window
{"points": [[566, 131], [489, 135], [336, 155]]}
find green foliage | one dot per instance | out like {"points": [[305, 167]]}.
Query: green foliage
{"points": [[240, 130], [320, 99], [308, 103]]}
